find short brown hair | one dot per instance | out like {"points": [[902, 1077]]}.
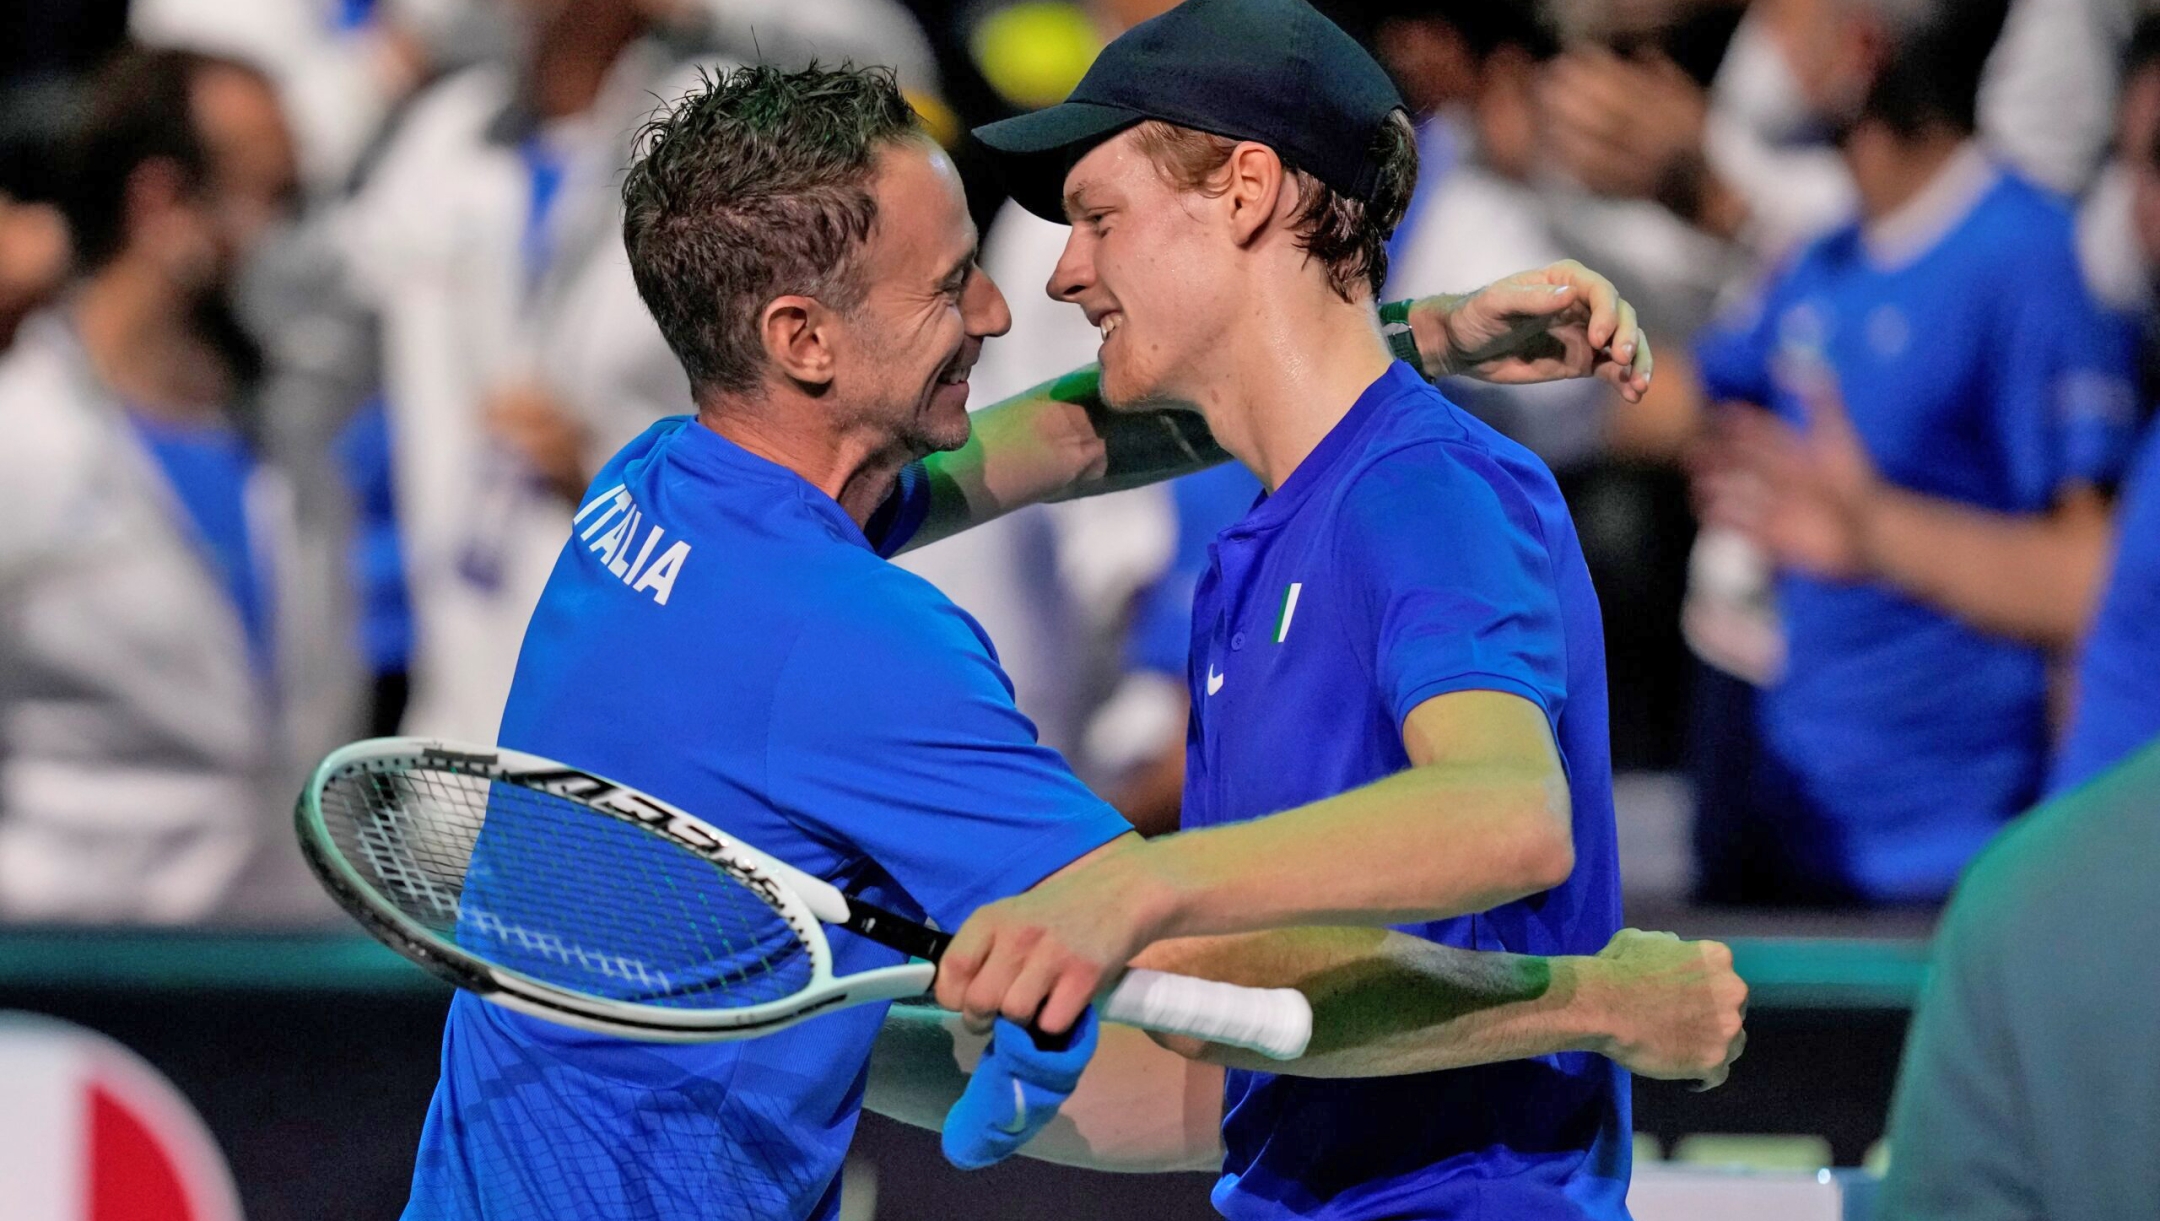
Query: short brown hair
{"points": [[1349, 236], [755, 185]]}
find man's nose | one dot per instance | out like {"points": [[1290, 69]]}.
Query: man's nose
{"points": [[1073, 274], [987, 312]]}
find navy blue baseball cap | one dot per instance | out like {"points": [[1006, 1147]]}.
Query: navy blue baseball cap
{"points": [[1274, 71]]}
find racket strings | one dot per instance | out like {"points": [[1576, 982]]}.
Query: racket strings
{"points": [[547, 886]]}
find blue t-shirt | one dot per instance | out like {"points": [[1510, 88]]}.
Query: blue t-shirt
{"points": [[1414, 553], [208, 466], [1160, 632], [1978, 371], [721, 634], [376, 559], [2118, 678]]}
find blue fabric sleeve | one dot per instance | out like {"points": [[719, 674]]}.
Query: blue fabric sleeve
{"points": [[902, 514], [1732, 353], [894, 736], [1206, 502], [2116, 710], [2065, 400], [1445, 560]]}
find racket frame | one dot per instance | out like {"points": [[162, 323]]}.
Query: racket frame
{"points": [[807, 903]]}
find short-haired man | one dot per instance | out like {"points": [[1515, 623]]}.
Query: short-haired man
{"points": [[1928, 414], [163, 661], [722, 630], [1397, 675]]}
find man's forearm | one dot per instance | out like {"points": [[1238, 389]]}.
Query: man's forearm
{"points": [[2030, 577], [1424, 844], [1058, 441], [1386, 1003]]}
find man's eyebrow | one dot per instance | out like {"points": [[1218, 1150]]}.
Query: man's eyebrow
{"points": [[1075, 201]]}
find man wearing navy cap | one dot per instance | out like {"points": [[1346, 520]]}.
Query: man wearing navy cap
{"points": [[1397, 672], [722, 630]]}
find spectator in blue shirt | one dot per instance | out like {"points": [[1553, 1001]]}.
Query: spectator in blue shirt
{"points": [[2117, 707], [1928, 410]]}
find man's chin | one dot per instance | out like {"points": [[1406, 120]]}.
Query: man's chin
{"points": [[1120, 390], [945, 427]]}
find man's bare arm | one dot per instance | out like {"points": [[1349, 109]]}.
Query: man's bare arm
{"points": [[1059, 440], [2034, 577], [1815, 501], [1387, 1003], [1384, 1003], [1482, 817]]}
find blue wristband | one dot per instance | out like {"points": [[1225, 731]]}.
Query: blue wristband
{"points": [[1015, 1092]]}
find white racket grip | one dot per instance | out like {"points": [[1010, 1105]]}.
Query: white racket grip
{"points": [[1276, 1022]]}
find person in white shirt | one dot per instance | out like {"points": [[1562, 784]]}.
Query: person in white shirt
{"points": [[1469, 69], [168, 669]]}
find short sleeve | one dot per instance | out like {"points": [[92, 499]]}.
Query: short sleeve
{"points": [[896, 520], [1447, 566], [2065, 409], [894, 735], [1732, 353], [2116, 713]]}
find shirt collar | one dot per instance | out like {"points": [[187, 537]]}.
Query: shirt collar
{"points": [[743, 475], [1898, 240], [1321, 466]]}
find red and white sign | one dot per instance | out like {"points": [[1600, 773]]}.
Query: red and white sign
{"points": [[90, 1132]]}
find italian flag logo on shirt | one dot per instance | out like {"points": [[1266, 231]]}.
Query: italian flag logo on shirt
{"points": [[1288, 612]]}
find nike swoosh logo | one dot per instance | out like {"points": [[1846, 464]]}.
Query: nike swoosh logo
{"points": [[1018, 1123], [1214, 681]]}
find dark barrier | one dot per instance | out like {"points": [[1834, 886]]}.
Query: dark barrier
{"points": [[312, 1058]]}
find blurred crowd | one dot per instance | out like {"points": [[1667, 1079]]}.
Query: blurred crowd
{"points": [[315, 319]]}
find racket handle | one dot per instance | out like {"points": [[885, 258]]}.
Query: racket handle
{"points": [[1276, 1022]]}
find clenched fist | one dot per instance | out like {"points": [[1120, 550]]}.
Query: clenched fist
{"points": [[1674, 1009]]}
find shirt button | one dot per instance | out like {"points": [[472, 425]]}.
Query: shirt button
{"points": [[1237, 640]]}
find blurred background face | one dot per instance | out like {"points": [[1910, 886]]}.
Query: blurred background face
{"points": [[1148, 267], [914, 338], [1833, 49], [254, 178]]}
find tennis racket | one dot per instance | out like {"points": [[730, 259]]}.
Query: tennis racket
{"points": [[560, 894]]}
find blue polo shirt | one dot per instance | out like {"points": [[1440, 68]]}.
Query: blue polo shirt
{"points": [[720, 633], [1977, 370], [1414, 553], [2118, 677]]}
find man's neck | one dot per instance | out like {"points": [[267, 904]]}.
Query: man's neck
{"points": [[856, 470], [1890, 170], [134, 325], [1295, 367]]}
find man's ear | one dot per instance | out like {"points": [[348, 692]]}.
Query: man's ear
{"points": [[798, 336], [1256, 189]]}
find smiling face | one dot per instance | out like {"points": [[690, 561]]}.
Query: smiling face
{"points": [[902, 356], [1154, 268]]}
